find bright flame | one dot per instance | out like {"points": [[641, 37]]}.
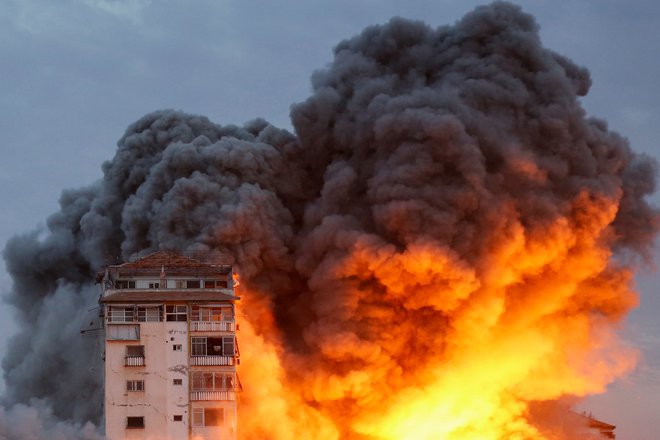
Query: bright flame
{"points": [[421, 344]]}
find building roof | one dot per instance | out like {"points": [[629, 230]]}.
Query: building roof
{"points": [[164, 295], [166, 258], [172, 263]]}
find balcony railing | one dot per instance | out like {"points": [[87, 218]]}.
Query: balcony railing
{"points": [[134, 361], [213, 395], [212, 326], [212, 360]]}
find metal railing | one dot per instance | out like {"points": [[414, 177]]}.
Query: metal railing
{"points": [[212, 360], [212, 326], [213, 395], [134, 361]]}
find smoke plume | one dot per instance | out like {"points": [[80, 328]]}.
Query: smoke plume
{"points": [[445, 241]]}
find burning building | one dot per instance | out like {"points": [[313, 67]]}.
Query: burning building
{"points": [[444, 241], [170, 349]]}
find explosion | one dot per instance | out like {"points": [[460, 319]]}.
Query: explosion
{"points": [[445, 245]]}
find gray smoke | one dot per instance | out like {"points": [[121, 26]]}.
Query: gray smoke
{"points": [[36, 421], [412, 135]]}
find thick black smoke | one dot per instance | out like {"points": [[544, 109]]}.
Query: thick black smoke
{"points": [[412, 135]]}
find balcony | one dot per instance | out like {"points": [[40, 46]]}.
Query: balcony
{"points": [[134, 361], [212, 326], [212, 360], [213, 395]]}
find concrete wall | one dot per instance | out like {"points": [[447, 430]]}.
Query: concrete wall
{"points": [[161, 400]]}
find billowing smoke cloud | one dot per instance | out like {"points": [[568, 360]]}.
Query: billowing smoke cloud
{"points": [[446, 241]]}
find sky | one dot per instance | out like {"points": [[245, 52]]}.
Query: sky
{"points": [[75, 73]]}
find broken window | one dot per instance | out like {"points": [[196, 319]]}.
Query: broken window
{"points": [[214, 416], [209, 346], [177, 347], [135, 422], [208, 416], [176, 313], [134, 385]]}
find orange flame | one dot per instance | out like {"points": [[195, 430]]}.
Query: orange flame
{"points": [[422, 343]]}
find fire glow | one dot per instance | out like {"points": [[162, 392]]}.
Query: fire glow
{"points": [[430, 347]]}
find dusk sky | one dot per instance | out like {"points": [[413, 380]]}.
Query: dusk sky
{"points": [[76, 73]]}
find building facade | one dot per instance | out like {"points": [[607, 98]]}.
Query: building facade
{"points": [[170, 349]]}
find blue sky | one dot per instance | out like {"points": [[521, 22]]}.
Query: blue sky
{"points": [[75, 73]]}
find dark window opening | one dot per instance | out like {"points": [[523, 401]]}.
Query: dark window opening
{"points": [[214, 416], [135, 385], [207, 346], [176, 313], [135, 422], [178, 418], [124, 284], [135, 350]]}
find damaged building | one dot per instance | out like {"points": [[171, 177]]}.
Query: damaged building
{"points": [[170, 348]]}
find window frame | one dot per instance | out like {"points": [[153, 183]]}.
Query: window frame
{"points": [[124, 284], [178, 313], [135, 386], [138, 422], [137, 349], [220, 381], [122, 332], [149, 314], [201, 416], [121, 314]]}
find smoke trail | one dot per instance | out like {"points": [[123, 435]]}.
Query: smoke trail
{"points": [[438, 246]]}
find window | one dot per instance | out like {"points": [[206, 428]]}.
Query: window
{"points": [[134, 385], [124, 284], [212, 381], [176, 313], [134, 356], [192, 284], [207, 346], [135, 422], [135, 350], [215, 284], [121, 314], [212, 313], [208, 416], [177, 347], [177, 381], [199, 346], [149, 314], [178, 418], [123, 332], [155, 285]]}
